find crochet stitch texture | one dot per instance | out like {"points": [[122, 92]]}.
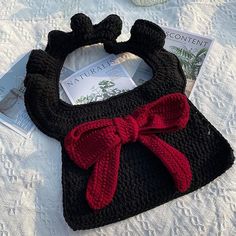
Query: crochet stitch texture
{"points": [[143, 180], [98, 143]]}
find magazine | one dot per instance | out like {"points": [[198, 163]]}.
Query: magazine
{"points": [[191, 49], [13, 113], [98, 81]]}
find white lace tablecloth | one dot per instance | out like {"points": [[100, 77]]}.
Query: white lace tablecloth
{"points": [[30, 169]]}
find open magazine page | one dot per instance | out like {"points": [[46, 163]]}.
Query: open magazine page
{"points": [[13, 113], [191, 49], [98, 81]]}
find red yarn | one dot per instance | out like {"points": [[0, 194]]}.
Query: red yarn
{"points": [[99, 143]]}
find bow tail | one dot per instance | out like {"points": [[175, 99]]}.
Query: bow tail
{"points": [[102, 183], [175, 161]]}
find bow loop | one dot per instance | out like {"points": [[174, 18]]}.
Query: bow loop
{"points": [[82, 146], [168, 113]]}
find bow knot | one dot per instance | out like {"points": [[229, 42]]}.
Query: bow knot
{"points": [[127, 129], [98, 144]]}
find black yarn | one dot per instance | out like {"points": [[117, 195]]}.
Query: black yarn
{"points": [[143, 182]]}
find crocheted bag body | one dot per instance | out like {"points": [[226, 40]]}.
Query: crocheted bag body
{"points": [[135, 176]]}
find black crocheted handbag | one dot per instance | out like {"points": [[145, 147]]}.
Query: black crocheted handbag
{"points": [[144, 181]]}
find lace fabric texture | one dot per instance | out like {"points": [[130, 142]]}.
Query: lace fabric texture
{"points": [[30, 166], [146, 3]]}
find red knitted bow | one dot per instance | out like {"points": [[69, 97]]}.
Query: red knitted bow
{"points": [[99, 143]]}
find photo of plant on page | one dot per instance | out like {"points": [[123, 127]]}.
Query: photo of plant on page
{"points": [[192, 51], [98, 81]]}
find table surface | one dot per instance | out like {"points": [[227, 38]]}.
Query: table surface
{"points": [[31, 204]]}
